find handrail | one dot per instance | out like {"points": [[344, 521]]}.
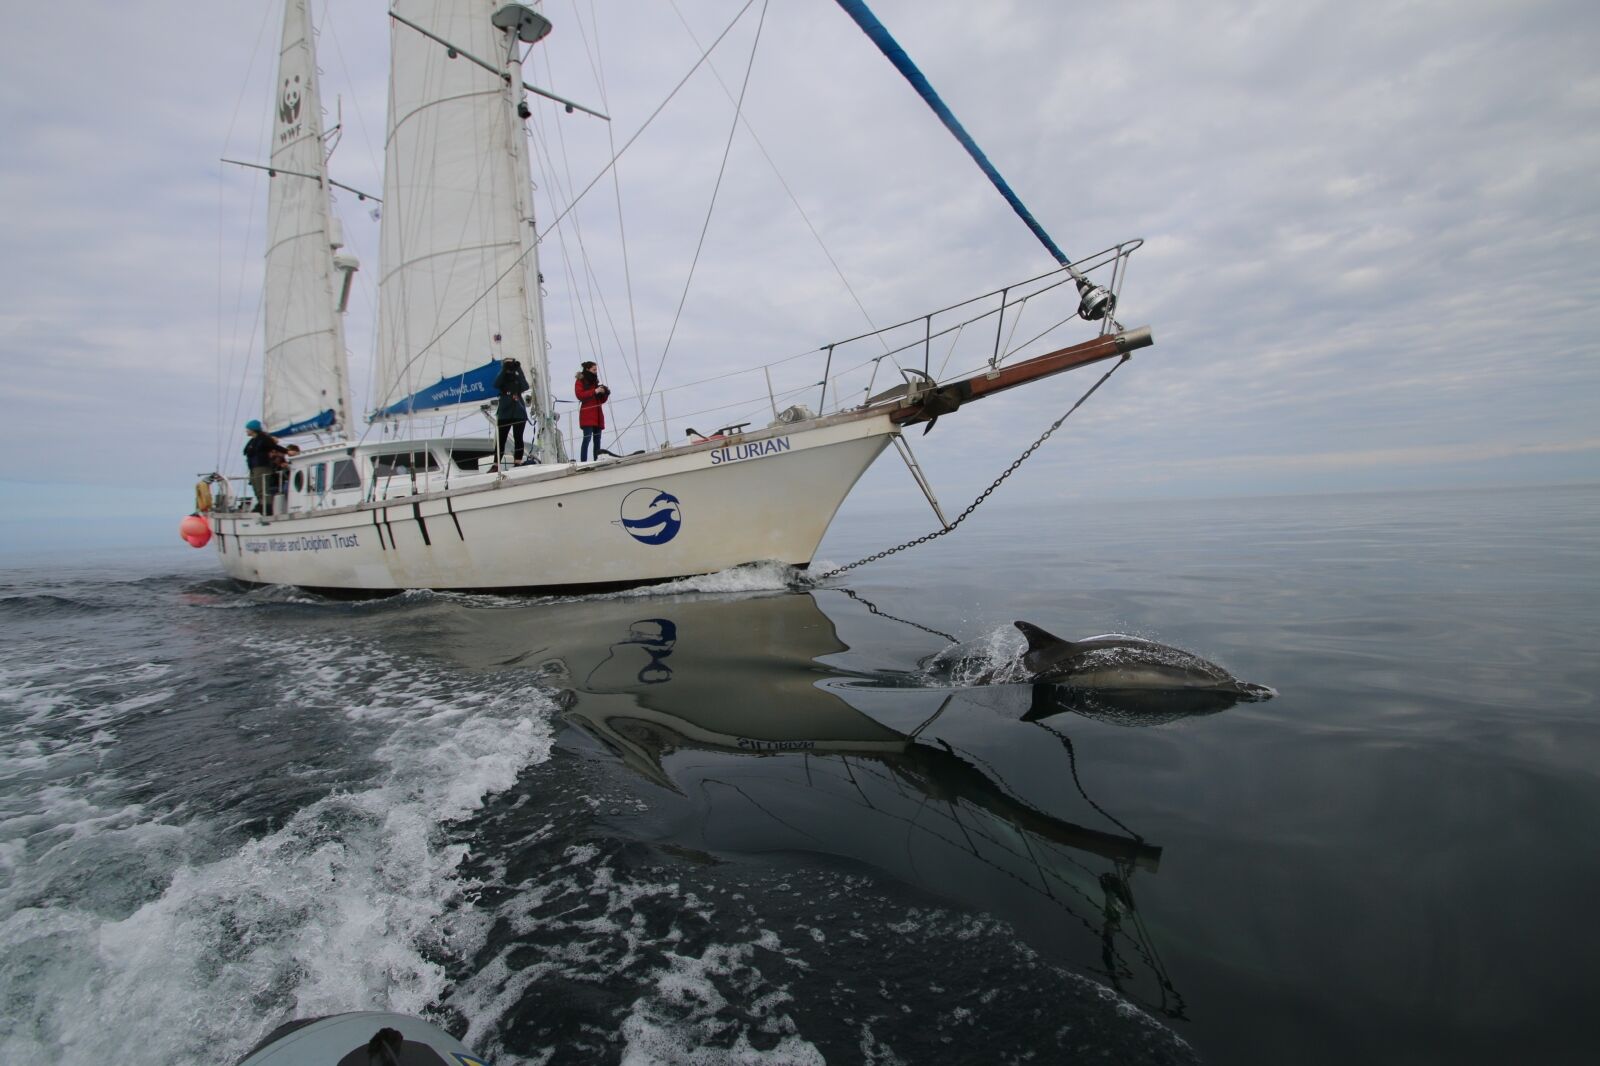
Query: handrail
{"points": [[1117, 253]]}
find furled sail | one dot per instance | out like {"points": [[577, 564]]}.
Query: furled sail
{"points": [[457, 290], [304, 371]]}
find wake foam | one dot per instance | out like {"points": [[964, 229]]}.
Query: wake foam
{"points": [[751, 577], [126, 929], [611, 952], [685, 1014], [994, 658], [684, 984]]}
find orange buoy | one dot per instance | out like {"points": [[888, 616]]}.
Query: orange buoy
{"points": [[195, 530]]}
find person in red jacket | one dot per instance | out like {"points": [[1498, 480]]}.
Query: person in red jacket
{"points": [[591, 418]]}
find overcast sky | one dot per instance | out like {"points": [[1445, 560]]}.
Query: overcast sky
{"points": [[1371, 229]]}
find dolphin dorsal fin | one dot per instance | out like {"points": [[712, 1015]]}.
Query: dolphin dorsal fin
{"points": [[1038, 639]]}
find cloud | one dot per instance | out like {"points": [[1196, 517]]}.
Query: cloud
{"points": [[1371, 229]]}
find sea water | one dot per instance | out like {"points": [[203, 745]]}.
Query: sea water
{"points": [[739, 820]]}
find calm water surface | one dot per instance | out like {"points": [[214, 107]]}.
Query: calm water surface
{"points": [[737, 821]]}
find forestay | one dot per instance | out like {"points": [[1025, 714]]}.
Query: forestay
{"points": [[304, 372], [457, 290]]}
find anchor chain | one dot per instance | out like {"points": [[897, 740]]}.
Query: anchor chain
{"points": [[984, 495], [881, 613]]}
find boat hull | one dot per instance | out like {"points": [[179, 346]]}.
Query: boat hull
{"points": [[677, 514], [338, 1038]]}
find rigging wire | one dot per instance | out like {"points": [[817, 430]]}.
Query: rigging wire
{"points": [[587, 316], [753, 405], [591, 315], [744, 119], [244, 374], [643, 395], [954, 329], [221, 382], [950, 352], [517, 262], [984, 495], [366, 284], [705, 226], [598, 65], [659, 108], [373, 155]]}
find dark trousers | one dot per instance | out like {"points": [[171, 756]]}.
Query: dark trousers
{"points": [[264, 481], [590, 433], [515, 430]]}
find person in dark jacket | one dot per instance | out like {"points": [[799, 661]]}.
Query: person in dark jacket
{"points": [[591, 418], [259, 451], [512, 415]]}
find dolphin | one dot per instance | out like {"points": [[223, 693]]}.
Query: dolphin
{"points": [[1115, 663]]}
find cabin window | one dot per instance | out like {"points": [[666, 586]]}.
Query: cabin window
{"points": [[345, 475], [471, 458], [299, 481], [319, 478], [403, 463]]}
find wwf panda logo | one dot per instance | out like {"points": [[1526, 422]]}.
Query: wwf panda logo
{"points": [[289, 106]]}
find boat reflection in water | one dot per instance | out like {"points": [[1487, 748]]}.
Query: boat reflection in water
{"points": [[728, 703]]}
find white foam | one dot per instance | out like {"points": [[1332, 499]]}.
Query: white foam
{"points": [[994, 657], [754, 577], [53, 725], [683, 1018], [351, 904], [711, 1003], [876, 1052]]}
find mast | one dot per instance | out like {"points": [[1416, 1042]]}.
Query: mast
{"points": [[305, 371], [524, 26]]}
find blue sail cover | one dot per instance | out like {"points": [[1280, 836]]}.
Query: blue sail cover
{"points": [[305, 425], [891, 49], [469, 387]]}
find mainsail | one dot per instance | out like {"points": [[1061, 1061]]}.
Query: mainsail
{"points": [[304, 372], [458, 286]]}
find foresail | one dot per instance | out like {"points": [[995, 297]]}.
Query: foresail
{"points": [[304, 358], [456, 287]]}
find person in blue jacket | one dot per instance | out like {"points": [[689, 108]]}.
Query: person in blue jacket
{"points": [[259, 451]]}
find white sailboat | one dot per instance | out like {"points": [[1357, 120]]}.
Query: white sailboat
{"points": [[458, 292]]}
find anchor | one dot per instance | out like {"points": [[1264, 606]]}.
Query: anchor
{"points": [[935, 399]]}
